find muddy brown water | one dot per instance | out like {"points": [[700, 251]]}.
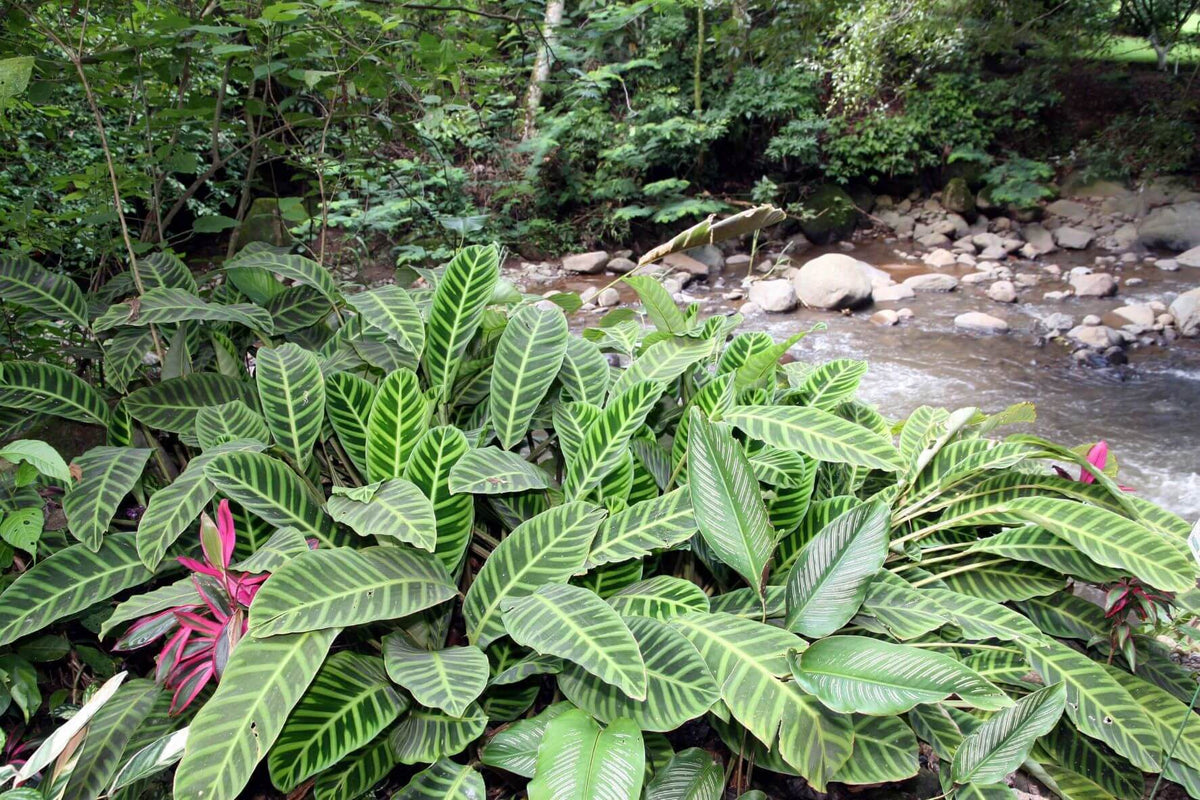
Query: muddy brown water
{"points": [[1148, 411]]}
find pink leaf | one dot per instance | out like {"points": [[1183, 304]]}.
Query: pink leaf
{"points": [[227, 533]]}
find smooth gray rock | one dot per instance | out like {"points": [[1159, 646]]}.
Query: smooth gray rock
{"points": [[833, 281], [979, 322], [932, 282], [586, 263], [1186, 311], [774, 296]]}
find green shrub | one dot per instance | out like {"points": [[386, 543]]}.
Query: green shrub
{"points": [[467, 511], [1019, 182]]}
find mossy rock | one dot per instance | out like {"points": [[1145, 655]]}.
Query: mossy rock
{"points": [[264, 223], [830, 215], [957, 197]]}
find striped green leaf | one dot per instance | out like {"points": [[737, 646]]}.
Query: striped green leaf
{"points": [[579, 761], [339, 587], [741, 347], [398, 417], [1170, 717], [392, 310], [642, 528], [978, 618], [726, 501], [571, 423], [107, 475], [514, 748], [1080, 754], [1070, 785], [658, 303], [282, 546], [816, 433], [1098, 705], [885, 750], [1035, 543], [429, 466], [662, 362], [857, 675], [173, 404], [449, 679], [455, 312], [749, 604], [831, 576], [573, 623], [584, 375], [611, 578], [424, 735], [679, 686], [691, 774], [490, 470], [606, 443], [70, 580], [168, 306], [268, 489], [181, 593], [150, 759], [355, 774], [1068, 616], [785, 469], [162, 270], [1111, 540], [46, 389], [527, 360], [349, 702], [1002, 742], [713, 400], [296, 268], [1000, 579], [445, 780], [296, 308], [176, 506], [830, 384], [904, 612], [107, 734], [393, 508], [292, 394], [660, 597], [123, 354], [228, 422], [235, 729], [348, 400], [45, 293]]}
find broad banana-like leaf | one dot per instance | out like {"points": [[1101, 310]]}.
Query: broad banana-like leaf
{"points": [[107, 734], [606, 443], [235, 729], [885, 750], [816, 433], [691, 774], [292, 394], [643, 528], [297, 268], [392, 310], [173, 404], [727, 502], [70, 580], [658, 304], [490, 470], [169, 306], [585, 373], [573, 623], [107, 475], [1002, 743], [679, 685], [399, 416], [47, 389], [857, 675], [711, 231], [660, 598], [662, 362], [527, 360], [349, 702], [339, 587], [445, 780], [45, 293], [713, 400], [830, 578], [549, 548], [579, 761], [393, 508], [459, 300], [515, 747], [425, 735], [355, 774], [268, 489], [229, 422], [449, 679], [348, 401], [429, 466]]}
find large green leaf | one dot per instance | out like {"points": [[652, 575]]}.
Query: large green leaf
{"points": [[348, 400], [573, 623], [182, 592], [527, 360], [424, 735], [1170, 717], [643, 528], [149, 759], [393, 508], [606, 443], [549, 548], [662, 362], [297, 268], [691, 774], [268, 489], [45, 293], [399, 416], [107, 475], [339, 587], [885, 750], [660, 597], [176, 506], [585, 373], [816, 433], [392, 310], [449, 679], [579, 761], [857, 675], [228, 422], [235, 729], [107, 734], [830, 384], [123, 354], [70, 580], [169, 306], [429, 466], [658, 303], [514, 748], [348, 704], [296, 308], [454, 314], [490, 470], [829, 580], [1068, 616], [1085, 756], [679, 685], [172, 405], [1035, 543], [445, 780], [46, 389], [1002, 742], [726, 501], [354, 775], [978, 619], [1098, 705], [292, 394], [162, 270]]}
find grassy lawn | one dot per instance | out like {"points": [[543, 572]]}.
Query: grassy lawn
{"points": [[1134, 49]]}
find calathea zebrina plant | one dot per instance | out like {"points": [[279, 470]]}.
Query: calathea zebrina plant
{"points": [[504, 555]]}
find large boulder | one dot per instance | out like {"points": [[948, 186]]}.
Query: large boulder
{"points": [[1039, 239], [1073, 238], [957, 197], [264, 223], [776, 296], [1174, 227], [1096, 284], [830, 215], [1189, 258], [709, 255], [834, 281], [1186, 311], [586, 263]]}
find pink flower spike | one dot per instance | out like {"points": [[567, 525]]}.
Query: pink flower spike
{"points": [[227, 533], [1098, 458]]}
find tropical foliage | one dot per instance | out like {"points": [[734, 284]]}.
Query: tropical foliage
{"points": [[459, 547]]}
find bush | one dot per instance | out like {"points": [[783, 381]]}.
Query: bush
{"points": [[455, 546]]}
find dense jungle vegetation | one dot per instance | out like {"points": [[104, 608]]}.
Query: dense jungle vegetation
{"points": [[268, 531]]}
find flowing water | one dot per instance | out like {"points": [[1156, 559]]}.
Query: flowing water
{"points": [[1148, 411]]}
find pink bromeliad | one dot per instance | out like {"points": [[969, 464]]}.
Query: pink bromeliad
{"points": [[205, 633], [1098, 458]]}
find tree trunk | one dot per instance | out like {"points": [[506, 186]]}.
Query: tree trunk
{"points": [[541, 64], [1160, 50], [698, 66]]}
